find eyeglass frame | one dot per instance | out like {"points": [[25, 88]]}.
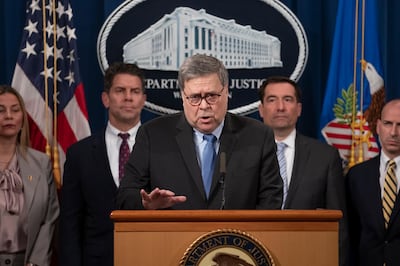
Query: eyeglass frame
{"points": [[192, 97]]}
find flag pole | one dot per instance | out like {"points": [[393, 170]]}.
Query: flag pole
{"points": [[354, 104], [362, 122], [46, 85], [32, 78], [56, 157]]}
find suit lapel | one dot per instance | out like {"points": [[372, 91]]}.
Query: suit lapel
{"points": [[184, 139], [30, 179], [301, 154], [99, 151], [372, 173], [228, 140], [395, 211], [373, 190]]}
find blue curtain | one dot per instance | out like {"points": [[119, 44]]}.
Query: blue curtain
{"points": [[317, 17]]}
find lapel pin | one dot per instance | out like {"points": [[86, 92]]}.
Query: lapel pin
{"points": [[30, 178]]}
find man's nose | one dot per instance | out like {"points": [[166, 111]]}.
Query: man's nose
{"points": [[281, 105], [394, 131]]}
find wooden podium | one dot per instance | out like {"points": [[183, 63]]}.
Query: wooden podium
{"points": [[292, 237]]}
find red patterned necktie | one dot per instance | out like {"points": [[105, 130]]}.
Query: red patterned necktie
{"points": [[123, 153]]}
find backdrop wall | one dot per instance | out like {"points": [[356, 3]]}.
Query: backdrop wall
{"points": [[317, 17]]}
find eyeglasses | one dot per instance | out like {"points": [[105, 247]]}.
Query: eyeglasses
{"points": [[211, 98]]}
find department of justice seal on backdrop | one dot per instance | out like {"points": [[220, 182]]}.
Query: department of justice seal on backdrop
{"points": [[159, 35]]}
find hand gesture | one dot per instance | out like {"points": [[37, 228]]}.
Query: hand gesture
{"points": [[160, 199]]}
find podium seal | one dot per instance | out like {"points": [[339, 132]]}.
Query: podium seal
{"points": [[226, 247]]}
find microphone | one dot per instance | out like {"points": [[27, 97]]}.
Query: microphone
{"points": [[222, 172]]}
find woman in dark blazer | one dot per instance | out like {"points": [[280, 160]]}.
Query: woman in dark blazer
{"points": [[28, 200]]}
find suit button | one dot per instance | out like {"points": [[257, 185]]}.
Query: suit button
{"points": [[7, 261]]}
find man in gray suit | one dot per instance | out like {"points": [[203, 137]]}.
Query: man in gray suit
{"points": [[313, 172], [164, 169]]}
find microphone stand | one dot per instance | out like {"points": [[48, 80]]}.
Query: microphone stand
{"points": [[222, 173]]}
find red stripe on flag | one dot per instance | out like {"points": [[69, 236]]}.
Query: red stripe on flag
{"points": [[374, 149], [337, 136], [80, 99], [38, 141], [342, 146], [65, 134], [338, 125]]}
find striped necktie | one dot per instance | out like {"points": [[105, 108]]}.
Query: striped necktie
{"points": [[282, 167], [389, 191]]}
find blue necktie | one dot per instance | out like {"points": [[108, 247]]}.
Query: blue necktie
{"points": [[207, 162], [282, 167]]}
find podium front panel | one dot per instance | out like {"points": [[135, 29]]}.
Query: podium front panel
{"points": [[162, 237]]}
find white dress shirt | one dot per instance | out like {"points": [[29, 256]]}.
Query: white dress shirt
{"points": [[383, 165], [113, 142]]}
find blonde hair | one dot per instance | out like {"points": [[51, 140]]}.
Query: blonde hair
{"points": [[23, 135]]}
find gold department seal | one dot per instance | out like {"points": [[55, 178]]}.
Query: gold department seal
{"points": [[226, 247]]}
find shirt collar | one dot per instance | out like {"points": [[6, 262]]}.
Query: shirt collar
{"points": [[217, 132], [290, 139], [114, 131], [384, 159]]}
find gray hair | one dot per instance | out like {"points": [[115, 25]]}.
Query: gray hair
{"points": [[201, 65]]}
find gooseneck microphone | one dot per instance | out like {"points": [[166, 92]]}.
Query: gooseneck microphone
{"points": [[222, 172]]}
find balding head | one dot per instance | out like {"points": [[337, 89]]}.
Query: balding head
{"points": [[388, 128]]}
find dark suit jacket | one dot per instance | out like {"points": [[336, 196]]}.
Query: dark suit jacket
{"points": [[318, 183], [41, 203], [371, 243], [164, 156], [87, 199], [317, 180]]}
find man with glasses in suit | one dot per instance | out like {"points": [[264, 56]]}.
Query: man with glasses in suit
{"points": [[203, 157]]}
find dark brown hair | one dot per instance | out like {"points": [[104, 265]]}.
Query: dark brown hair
{"points": [[279, 79], [122, 68]]}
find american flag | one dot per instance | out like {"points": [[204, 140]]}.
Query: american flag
{"points": [[47, 77], [341, 136]]}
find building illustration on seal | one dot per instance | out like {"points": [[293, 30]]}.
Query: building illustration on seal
{"points": [[185, 32]]}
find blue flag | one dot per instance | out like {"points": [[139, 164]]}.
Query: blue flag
{"points": [[355, 89]]}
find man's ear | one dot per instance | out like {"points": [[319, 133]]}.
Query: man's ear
{"points": [[105, 99], [260, 110], [299, 109]]}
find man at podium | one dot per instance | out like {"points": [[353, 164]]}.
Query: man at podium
{"points": [[203, 157]]}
